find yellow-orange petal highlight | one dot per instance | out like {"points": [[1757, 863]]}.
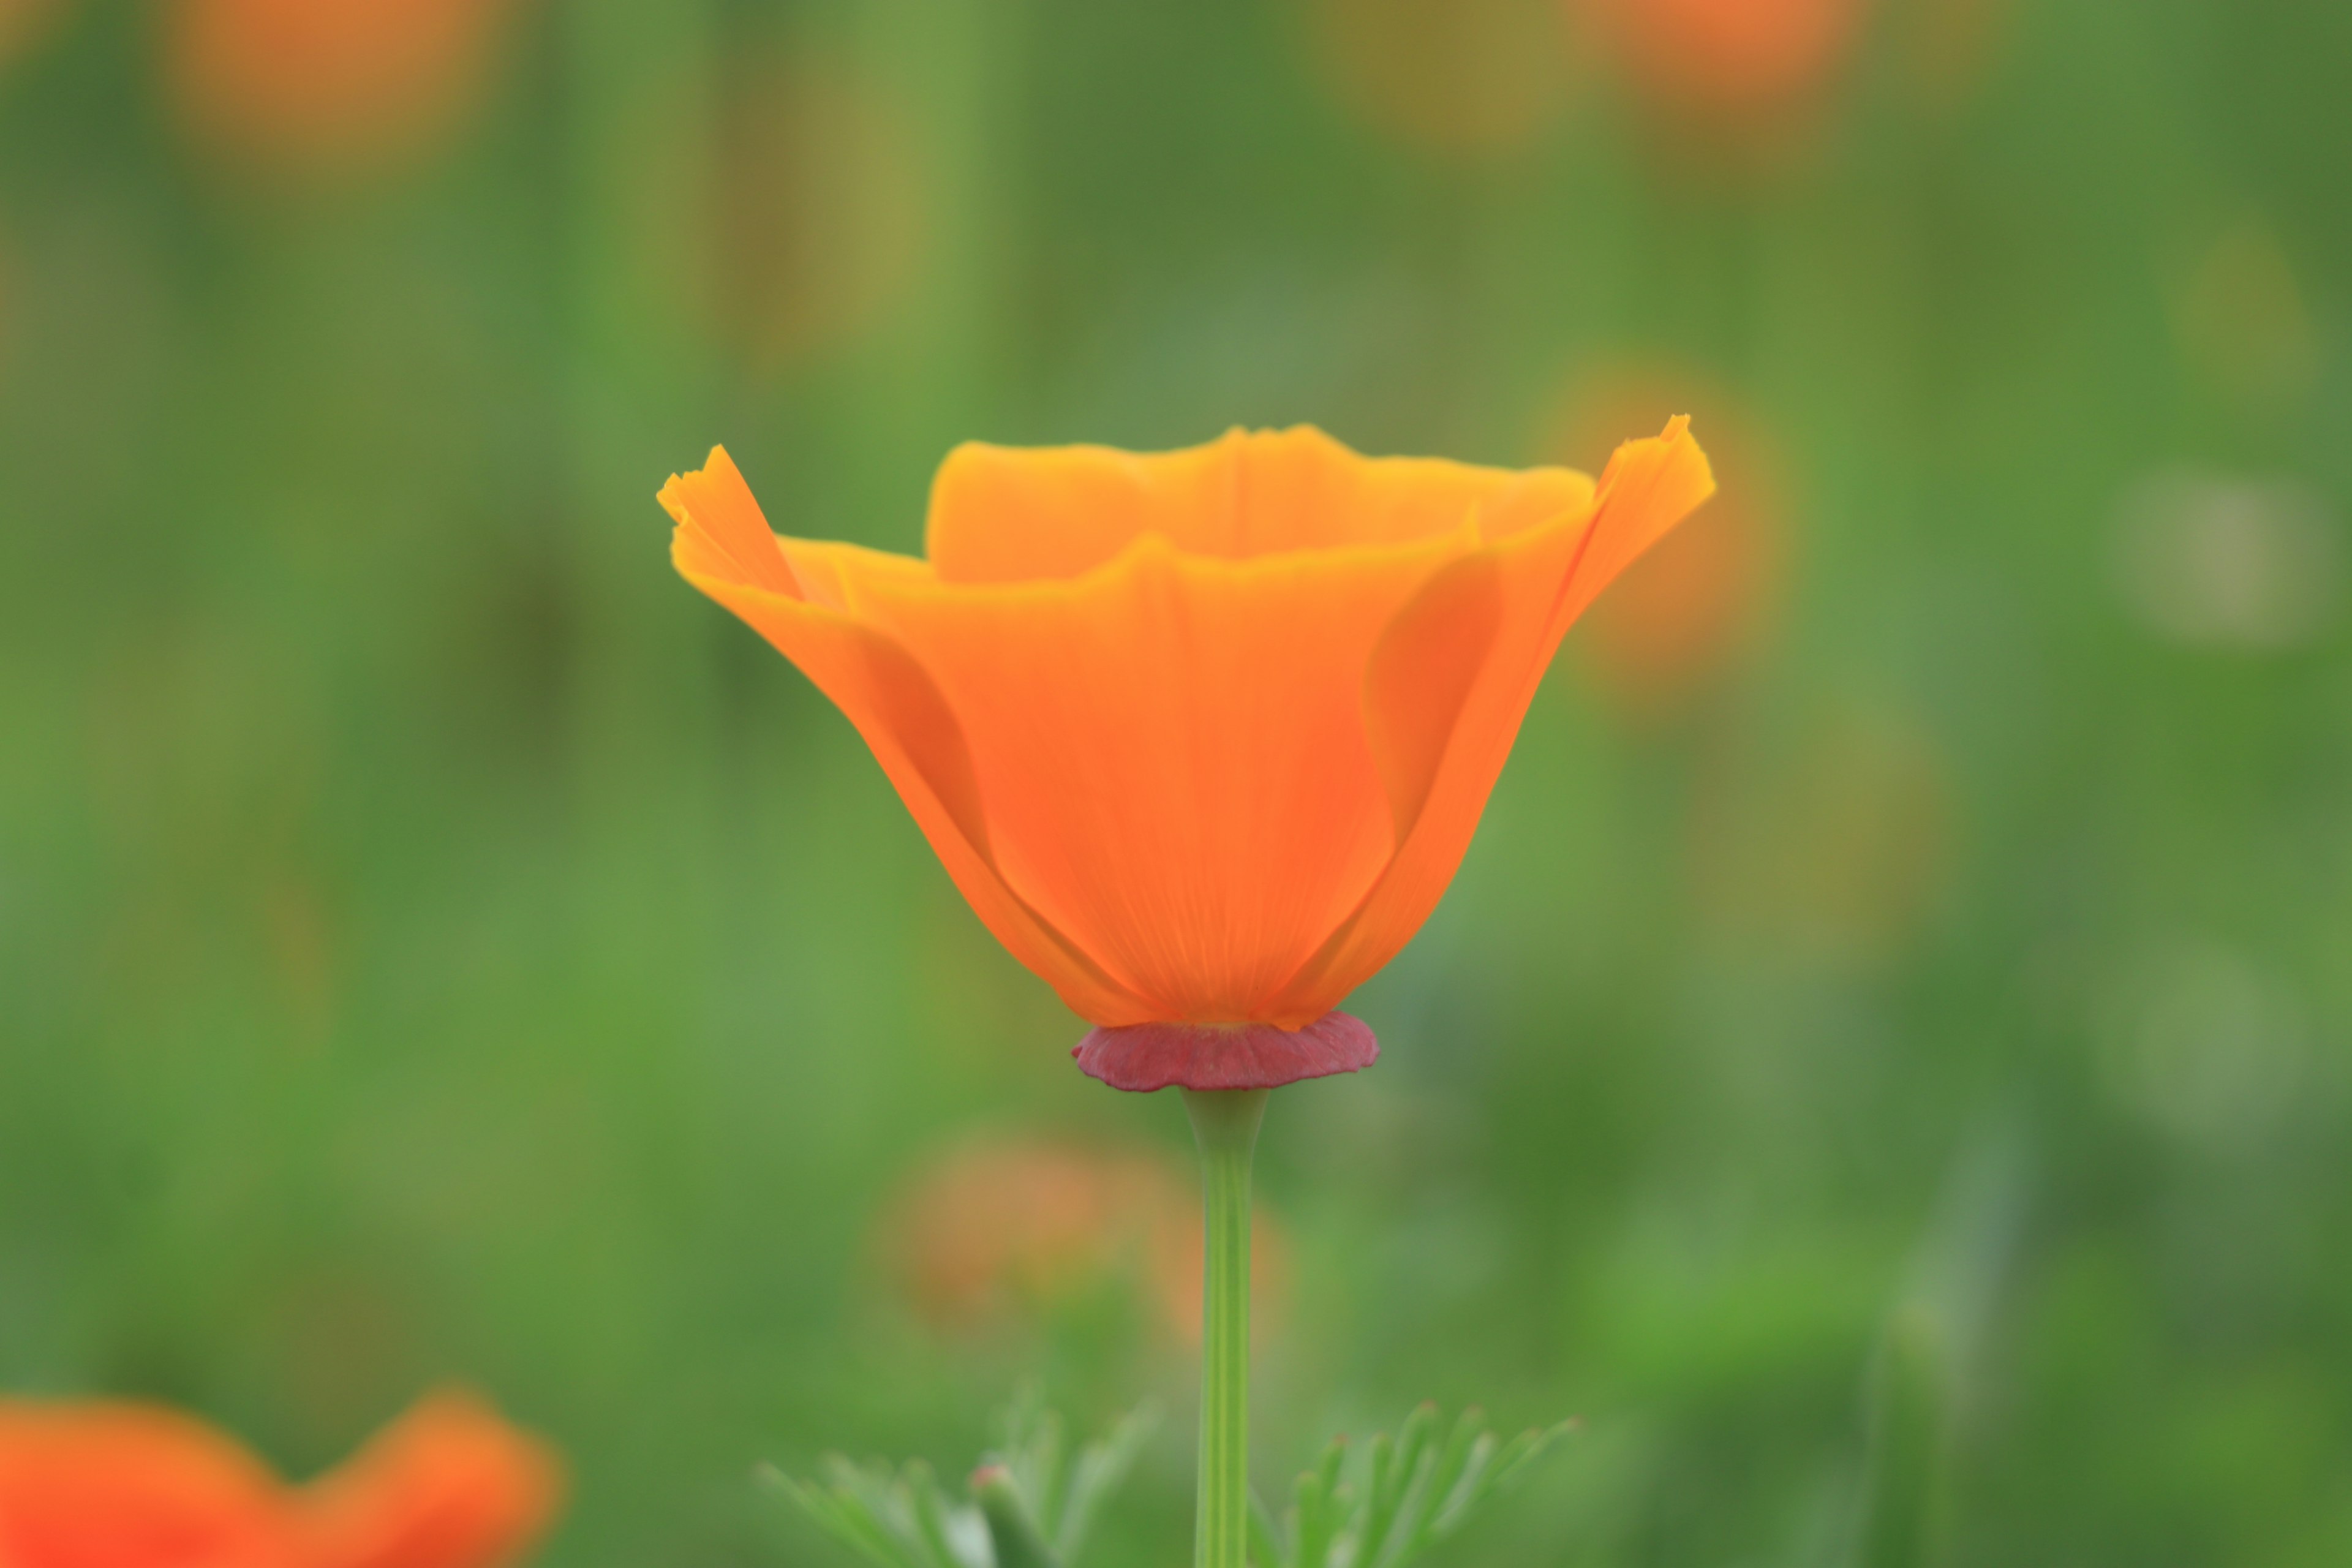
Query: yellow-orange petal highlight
{"points": [[1201, 734], [449, 1484], [119, 1484]]}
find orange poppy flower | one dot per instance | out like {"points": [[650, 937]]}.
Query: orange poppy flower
{"points": [[449, 1484], [303, 82], [1202, 735], [132, 1485], [1733, 56], [120, 1484]]}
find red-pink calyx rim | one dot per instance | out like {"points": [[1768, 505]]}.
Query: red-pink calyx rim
{"points": [[1141, 1058]]}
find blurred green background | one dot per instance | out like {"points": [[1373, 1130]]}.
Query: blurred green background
{"points": [[435, 943]]}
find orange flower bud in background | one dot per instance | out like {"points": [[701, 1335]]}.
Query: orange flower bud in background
{"points": [[122, 1485], [1731, 56], [998, 1229], [1202, 735], [307, 83]]}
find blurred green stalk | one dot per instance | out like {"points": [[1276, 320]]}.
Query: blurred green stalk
{"points": [[1903, 1520], [1224, 1124]]}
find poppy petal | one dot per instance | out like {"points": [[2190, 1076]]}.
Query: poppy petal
{"points": [[1004, 514], [796, 601], [1648, 487], [449, 1484], [1174, 754], [1547, 575], [108, 1483], [1421, 674]]}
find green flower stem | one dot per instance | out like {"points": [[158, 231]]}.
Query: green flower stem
{"points": [[1224, 1124]]}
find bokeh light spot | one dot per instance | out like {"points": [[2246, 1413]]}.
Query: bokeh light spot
{"points": [[2218, 561]]}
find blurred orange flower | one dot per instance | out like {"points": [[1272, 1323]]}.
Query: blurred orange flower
{"points": [[448, 1484], [309, 82], [1733, 56], [1202, 735], [1028, 1222], [134, 1485], [120, 1485]]}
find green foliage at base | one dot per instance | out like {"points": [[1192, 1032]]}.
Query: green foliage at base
{"points": [[1030, 1509], [1406, 1494], [1378, 1505]]}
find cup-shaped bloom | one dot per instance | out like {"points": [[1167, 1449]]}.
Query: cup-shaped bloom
{"points": [[1202, 735], [107, 1484]]}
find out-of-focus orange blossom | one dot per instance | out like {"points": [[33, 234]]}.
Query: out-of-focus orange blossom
{"points": [[820, 224], [996, 1230], [1705, 597], [129, 1486], [1460, 77], [116, 1484], [1730, 58], [312, 84], [449, 1484]]}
